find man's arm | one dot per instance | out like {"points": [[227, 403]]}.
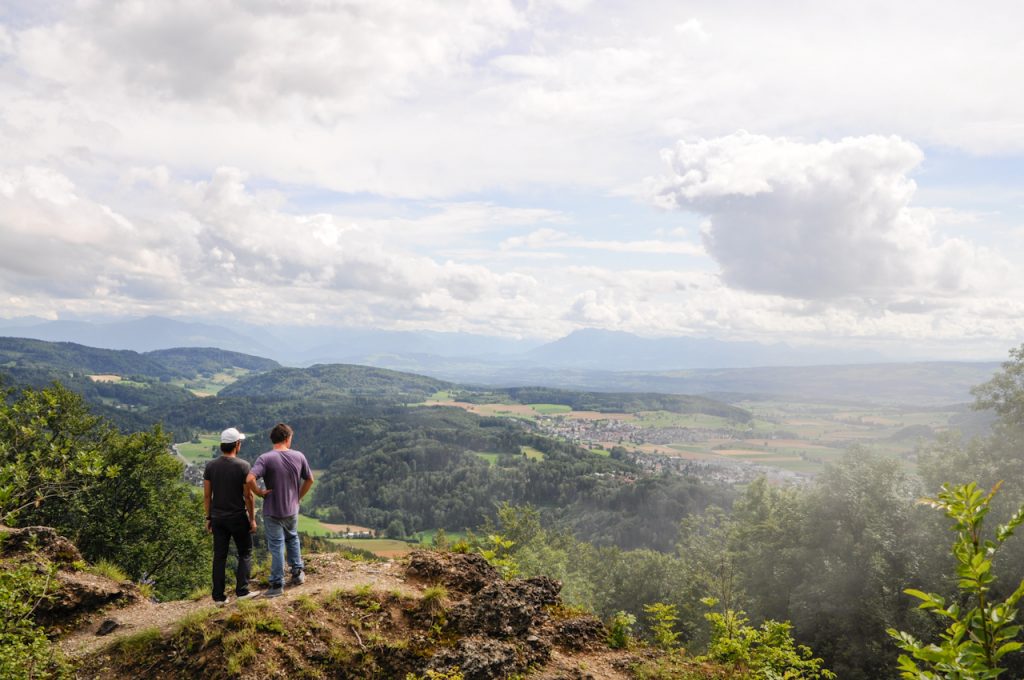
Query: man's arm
{"points": [[250, 507], [306, 484], [207, 498], [252, 487]]}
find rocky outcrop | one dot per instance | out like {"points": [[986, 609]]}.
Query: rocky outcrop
{"points": [[37, 542], [71, 593], [462, 572], [506, 608], [369, 620]]}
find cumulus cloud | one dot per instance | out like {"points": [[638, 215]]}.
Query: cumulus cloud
{"points": [[331, 58], [217, 244], [817, 220]]}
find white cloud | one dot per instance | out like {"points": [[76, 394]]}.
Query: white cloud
{"points": [[692, 28], [550, 238], [441, 99], [480, 132], [217, 245], [329, 58], [819, 220]]}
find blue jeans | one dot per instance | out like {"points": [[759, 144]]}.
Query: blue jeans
{"points": [[282, 537]]}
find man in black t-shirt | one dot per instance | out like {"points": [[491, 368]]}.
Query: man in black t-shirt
{"points": [[230, 514]]}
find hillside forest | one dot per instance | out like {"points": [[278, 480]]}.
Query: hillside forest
{"points": [[86, 447]]}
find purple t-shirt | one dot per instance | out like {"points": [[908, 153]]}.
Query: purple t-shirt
{"points": [[283, 471]]}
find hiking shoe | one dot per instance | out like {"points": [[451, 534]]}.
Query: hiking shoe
{"points": [[249, 595], [298, 578], [221, 603], [275, 591]]}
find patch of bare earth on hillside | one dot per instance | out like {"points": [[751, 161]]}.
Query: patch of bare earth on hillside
{"points": [[431, 611], [324, 573]]}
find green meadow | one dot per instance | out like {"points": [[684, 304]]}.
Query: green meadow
{"points": [[201, 452]]}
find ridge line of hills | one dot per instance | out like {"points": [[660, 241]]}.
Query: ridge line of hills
{"points": [[588, 348], [930, 383]]}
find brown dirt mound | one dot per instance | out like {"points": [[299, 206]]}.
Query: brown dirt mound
{"points": [[357, 620]]}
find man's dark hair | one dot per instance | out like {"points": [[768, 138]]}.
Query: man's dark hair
{"points": [[280, 433], [228, 448]]}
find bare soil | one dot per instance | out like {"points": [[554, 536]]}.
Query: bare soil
{"points": [[325, 573]]}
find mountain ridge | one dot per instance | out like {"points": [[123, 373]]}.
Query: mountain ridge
{"points": [[422, 350]]}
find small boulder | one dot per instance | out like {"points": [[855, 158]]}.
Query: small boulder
{"points": [[108, 627]]}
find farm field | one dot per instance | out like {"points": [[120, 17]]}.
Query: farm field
{"points": [[793, 436], [550, 409], [314, 527], [491, 458], [427, 537], [201, 452], [210, 385], [532, 453], [507, 410]]}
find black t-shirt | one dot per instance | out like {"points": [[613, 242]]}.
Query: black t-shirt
{"points": [[227, 479]]}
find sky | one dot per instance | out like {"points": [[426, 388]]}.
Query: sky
{"points": [[841, 173]]}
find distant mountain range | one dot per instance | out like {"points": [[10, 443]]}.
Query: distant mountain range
{"points": [[589, 349], [920, 383], [140, 335], [619, 351]]}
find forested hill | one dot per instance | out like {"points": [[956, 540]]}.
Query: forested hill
{"points": [[193, 361], [23, 355], [328, 381]]}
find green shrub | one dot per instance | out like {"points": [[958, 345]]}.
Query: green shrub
{"points": [[24, 650], [981, 630], [620, 630], [767, 652], [498, 551], [663, 620]]}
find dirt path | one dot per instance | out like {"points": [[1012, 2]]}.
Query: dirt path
{"points": [[325, 573]]}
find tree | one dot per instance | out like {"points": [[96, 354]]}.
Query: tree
{"points": [[1004, 393], [982, 630], [146, 519], [51, 448], [395, 530], [118, 497]]}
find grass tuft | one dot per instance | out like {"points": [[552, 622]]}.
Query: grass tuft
{"points": [[306, 604], [434, 599], [256, 616], [109, 570], [138, 645], [198, 593], [192, 631]]}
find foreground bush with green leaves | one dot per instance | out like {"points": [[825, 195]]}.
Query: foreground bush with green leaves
{"points": [[118, 497], [25, 651], [981, 629]]}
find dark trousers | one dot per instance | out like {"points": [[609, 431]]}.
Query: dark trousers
{"points": [[225, 529]]}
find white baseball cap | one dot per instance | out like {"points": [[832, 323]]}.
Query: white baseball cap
{"points": [[230, 436]]}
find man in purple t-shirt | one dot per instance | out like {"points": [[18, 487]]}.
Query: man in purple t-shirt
{"points": [[287, 478]]}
